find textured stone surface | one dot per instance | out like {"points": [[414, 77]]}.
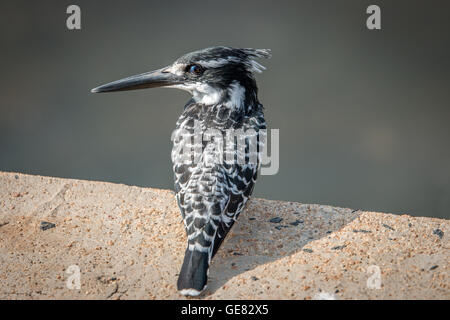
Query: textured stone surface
{"points": [[129, 243]]}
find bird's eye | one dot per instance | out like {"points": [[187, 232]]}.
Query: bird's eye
{"points": [[194, 69]]}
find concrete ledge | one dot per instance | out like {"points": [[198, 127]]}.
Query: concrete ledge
{"points": [[129, 243]]}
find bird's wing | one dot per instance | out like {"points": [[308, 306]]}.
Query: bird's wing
{"points": [[212, 195], [202, 198], [241, 177], [241, 182], [210, 203]]}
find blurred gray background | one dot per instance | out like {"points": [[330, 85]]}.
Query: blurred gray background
{"points": [[363, 115]]}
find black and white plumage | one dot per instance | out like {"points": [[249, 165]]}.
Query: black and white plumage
{"points": [[214, 177]]}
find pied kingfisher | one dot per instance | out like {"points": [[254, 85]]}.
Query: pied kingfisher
{"points": [[210, 194]]}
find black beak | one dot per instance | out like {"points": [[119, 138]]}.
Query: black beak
{"points": [[152, 79]]}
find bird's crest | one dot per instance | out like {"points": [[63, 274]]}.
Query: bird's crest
{"points": [[255, 66]]}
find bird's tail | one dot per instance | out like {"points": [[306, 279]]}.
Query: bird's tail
{"points": [[194, 273]]}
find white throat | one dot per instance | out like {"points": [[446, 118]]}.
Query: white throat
{"points": [[232, 97]]}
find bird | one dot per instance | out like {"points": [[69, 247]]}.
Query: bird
{"points": [[210, 192]]}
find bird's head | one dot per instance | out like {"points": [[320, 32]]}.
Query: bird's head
{"points": [[210, 75]]}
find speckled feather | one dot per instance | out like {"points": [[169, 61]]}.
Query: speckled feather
{"points": [[212, 195]]}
